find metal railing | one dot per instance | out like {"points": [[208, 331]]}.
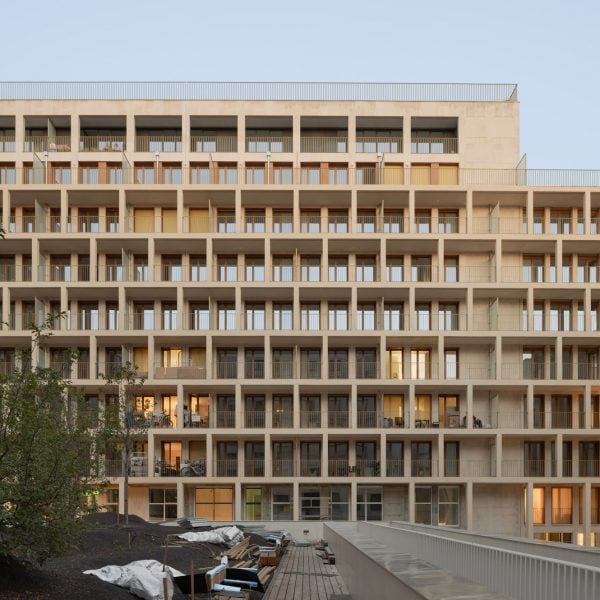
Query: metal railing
{"points": [[367, 467], [226, 468], [433, 145], [102, 143], [225, 419], [310, 419], [523, 575], [338, 419], [310, 468], [282, 419], [258, 90], [158, 143], [213, 143], [254, 419], [394, 467], [282, 467], [282, 369], [323, 144], [378, 144], [185, 370], [333, 175], [337, 467], [43, 143], [270, 143], [254, 468], [7, 143], [310, 369], [226, 370], [254, 369], [367, 369]]}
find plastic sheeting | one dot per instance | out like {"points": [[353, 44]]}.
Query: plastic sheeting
{"points": [[143, 578], [230, 536]]}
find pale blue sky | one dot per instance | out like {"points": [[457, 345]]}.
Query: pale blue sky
{"points": [[550, 48]]}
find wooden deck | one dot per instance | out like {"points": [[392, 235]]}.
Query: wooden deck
{"points": [[301, 575]]}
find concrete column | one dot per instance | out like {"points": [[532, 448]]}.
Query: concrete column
{"points": [[469, 211], [587, 406], [237, 501], [93, 260], [180, 500], [151, 455], [209, 450], [441, 252], [130, 133], [64, 211], [559, 357], [499, 456], [558, 452], [411, 501], [241, 135], [587, 204], [469, 505], [529, 510], [441, 458], [296, 500], [296, 404], [123, 225], [353, 200], [558, 261], [499, 261], [296, 128], [499, 360], [353, 516], [469, 395], [529, 407], [239, 213], [411, 206], [586, 489]]}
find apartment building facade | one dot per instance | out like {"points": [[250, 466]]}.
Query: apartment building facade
{"points": [[348, 301]]}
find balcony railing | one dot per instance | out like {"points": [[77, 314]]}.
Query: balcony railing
{"points": [[254, 419], [264, 144], [310, 468], [225, 419], [333, 144], [255, 369], [394, 467], [212, 143], [310, 369], [254, 468], [379, 144], [338, 467], [42, 143], [310, 419], [338, 419], [338, 369], [431, 145], [102, 143], [227, 468], [7, 143], [158, 143], [422, 467], [185, 370], [283, 467], [226, 370], [283, 419], [282, 369], [367, 468], [367, 370]]}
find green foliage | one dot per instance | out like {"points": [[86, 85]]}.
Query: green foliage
{"points": [[46, 460]]}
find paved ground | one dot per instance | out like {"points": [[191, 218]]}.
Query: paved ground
{"points": [[301, 575]]}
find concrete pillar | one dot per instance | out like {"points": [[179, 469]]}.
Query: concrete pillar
{"points": [[586, 490], [180, 500], [237, 501], [529, 510], [469, 505], [411, 501], [469, 211]]}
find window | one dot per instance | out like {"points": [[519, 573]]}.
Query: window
{"points": [[283, 408], [140, 267], [369, 503], [339, 503], [587, 269], [560, 221], [448, 319], [225, 410], [448, 411], [171, 268], [225, 221], [337, 221], [420, 364], [199, 316], [393, 221], [562, 505], [423, 504], [421, 459], [282, 268], [226, 315], [451, 269], [169, 316], [310, 220], [338, 268], [310, 459], [143, 316], [162, 503], [338, 363], [534, 459], [338, 317], [451, 363], [423, 312], [282, 316], [255, 458], [533, 269], [282, 504], [448, 506], [253, 497], [111, 502], [421, 268], [114, 268], [394, 453], [393, 364], [365, 316], [337, 411], [255, 221], [365, 268], [255, 268], [533, 363], [226, 363], [310, 363], [282, 221], [367, 411], [538, 316], [365, 222], [255, 363], [227, 268], [393, 316], [310, 317], [310, 268], [451, 459], [227, 459], [88, 316], [448, 221], [422, 410], [366, 363], [394, 268], [423, 220], [198, 268], [214, 504], [255, 316], [282, 459]]}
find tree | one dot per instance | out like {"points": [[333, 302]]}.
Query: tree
{"points": [[122, 423], [45, 459]]}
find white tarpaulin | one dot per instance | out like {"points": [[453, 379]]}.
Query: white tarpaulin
{"points": [[230, 536], [143, 578]]}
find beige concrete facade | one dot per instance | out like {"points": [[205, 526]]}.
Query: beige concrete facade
{"points": [[343, 309]]}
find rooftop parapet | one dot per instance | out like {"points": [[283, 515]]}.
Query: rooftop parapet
{"points": [[251, 90]]}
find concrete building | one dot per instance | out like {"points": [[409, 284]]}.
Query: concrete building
{"points": [[349, 301]]}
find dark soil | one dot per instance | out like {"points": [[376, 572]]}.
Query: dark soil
{"points": [[108, 543]]}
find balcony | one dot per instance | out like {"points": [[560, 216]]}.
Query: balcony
{"points": [[7, 143], [310, 369], [269, 143], [282, 369], [310, 419], [225, 419], [42, 143], [254, 419], [213, 143], [422, 467], [367, 468], [433, 145], [227, 467], [338, 419], [338, 467], [254, 468], [379, 144], [310, 468], [255, 369], [367, 370], [185, 370], [283, 419], [158, 143], [338, 369], [283, 467], [102, 143], [226, 370], [323, 144]]}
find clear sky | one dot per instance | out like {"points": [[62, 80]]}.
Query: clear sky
{"points": [[550, 48]]}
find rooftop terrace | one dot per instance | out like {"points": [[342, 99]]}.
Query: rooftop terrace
{"points": [[256, 90]]}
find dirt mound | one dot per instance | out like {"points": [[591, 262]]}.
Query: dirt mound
{"points": [[108, 541]]}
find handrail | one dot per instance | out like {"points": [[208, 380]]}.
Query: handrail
{"points": [[255, 90]]}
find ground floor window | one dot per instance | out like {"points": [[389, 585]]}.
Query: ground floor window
{"points": [[369, 503], [282, 504], [565, 537], [448, 505], [111, 500], [162, 503], [340, 503], [310, 505], [423, 504], [214, 504], [253, 498]]}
